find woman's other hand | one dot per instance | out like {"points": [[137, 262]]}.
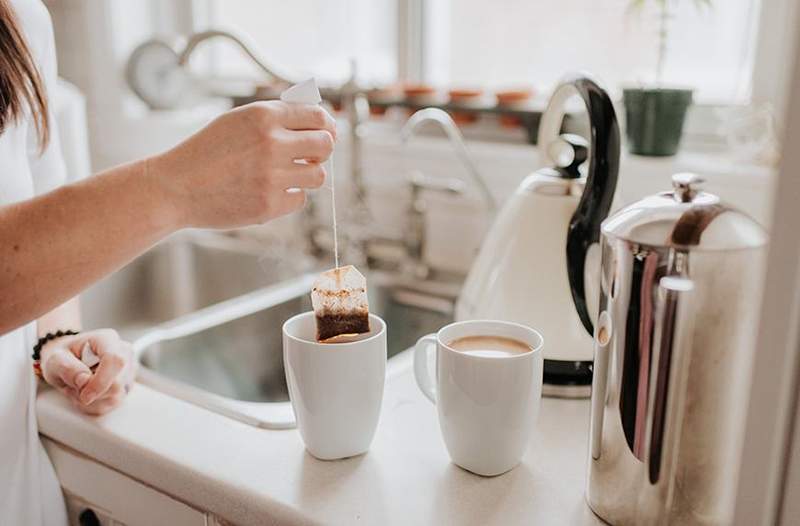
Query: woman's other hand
{"points": [[97, 392], [236, 171]]}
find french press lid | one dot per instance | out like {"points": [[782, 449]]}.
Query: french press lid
{"points": [[685, 218]]}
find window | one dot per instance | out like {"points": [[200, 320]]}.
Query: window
{"points": [[500, 44], [310, 37], [512, 42]]}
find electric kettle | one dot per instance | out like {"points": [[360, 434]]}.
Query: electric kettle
{"points": [[680, 284], [531, 263]]}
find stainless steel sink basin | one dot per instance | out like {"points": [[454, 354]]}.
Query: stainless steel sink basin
{"points": [[187, 272], [228, 357]]}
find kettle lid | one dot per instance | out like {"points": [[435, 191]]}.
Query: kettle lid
{"points": [[685, 217]]}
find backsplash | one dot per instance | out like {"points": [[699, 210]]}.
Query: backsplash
{"points": [[456, 224]]}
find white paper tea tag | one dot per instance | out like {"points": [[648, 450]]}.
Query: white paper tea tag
{"points": [[88, 357], [305, 92]]}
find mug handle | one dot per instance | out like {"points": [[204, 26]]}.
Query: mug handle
{"points": [[424, 379]]}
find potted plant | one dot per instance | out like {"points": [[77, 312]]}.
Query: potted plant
{"points": [[655, 114]]}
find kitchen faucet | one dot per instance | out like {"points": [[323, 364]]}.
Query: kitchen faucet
{"points": [[359, 236], [359, 217], [247, 48], [448, 125], [415, 238], [355, 103]]}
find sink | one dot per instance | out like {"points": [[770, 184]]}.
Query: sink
{"points": [[185, 273], [228, 357]]}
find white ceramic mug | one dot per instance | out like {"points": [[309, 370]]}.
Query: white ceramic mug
{"points": [[487, 405], [336, 389]]}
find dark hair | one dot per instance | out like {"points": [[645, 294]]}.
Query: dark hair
{"points": [[21, 84]]}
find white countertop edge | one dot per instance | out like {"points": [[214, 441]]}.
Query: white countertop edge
{"points": [[101, 440], [248, 475]]}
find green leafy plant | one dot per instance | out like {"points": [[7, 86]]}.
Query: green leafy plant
{"points": [[664, 8]]}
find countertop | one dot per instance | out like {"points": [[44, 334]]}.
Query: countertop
{"points": [[248, 475]]}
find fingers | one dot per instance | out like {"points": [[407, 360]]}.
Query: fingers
{"points": [[292, 200], [102, 405], [308, 117], [114, 356], [294, 181], [111, 399], [63, 369], [75, 374], [314, 146], [97, 393], [307, 176]]}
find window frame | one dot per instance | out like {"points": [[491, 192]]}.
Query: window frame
{"points": [[769, 77]]}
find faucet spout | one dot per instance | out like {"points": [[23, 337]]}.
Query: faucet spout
{"points": [[446, 123], [247, 47]]}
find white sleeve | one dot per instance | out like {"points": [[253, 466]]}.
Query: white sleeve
{"points": [[47, 168]]}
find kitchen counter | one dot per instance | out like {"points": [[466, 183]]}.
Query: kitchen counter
{"points": [[248, 475]]}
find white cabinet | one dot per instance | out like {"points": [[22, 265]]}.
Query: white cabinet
{"points": [[77, 510], [115, 499]]}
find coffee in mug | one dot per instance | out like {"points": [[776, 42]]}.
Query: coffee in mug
{"points": [[486, 386], [489, 346]]}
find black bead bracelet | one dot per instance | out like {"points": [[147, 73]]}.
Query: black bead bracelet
{"points": [[37, 349]]}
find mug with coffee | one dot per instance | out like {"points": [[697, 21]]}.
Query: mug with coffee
{"points": [[487, 388], [336, 389]]}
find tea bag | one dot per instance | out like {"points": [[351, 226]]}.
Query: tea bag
{"points": [[339, 298]]}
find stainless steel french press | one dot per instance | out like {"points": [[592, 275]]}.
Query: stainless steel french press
{"points": [[674, 341]]}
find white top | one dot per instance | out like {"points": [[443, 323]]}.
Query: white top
{"points": [[29, 491]]}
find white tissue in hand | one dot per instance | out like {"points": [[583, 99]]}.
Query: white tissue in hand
{"points": [[305, 92], [88, 357]]}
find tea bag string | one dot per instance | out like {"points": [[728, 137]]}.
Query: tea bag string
{"points": [[333, 214], [331, 186]]}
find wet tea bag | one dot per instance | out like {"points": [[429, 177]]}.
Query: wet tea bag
{"points": [[339, 298]]}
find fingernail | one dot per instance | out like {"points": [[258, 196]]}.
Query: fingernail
{"points": [[87, 397], [81, 379]]}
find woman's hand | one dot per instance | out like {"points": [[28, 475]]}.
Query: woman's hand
{"points": [[236, 171], [93, 393]]}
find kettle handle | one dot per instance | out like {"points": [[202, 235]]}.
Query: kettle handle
{"points": [[601, 180]]}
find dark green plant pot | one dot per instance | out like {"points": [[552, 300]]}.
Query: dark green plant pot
{"points": [[654, 119]]}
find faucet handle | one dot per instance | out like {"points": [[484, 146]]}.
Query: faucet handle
{"points": [[446, 185], [414, 237]]}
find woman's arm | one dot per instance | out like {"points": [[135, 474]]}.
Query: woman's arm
{"points": [[66, 316], [232, 173], [57, 244]]}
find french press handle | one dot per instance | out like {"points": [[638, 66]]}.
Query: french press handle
{"points": [[601, 179]]}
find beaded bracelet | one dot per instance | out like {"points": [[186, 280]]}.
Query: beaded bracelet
{"points": [[37, 349]]}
